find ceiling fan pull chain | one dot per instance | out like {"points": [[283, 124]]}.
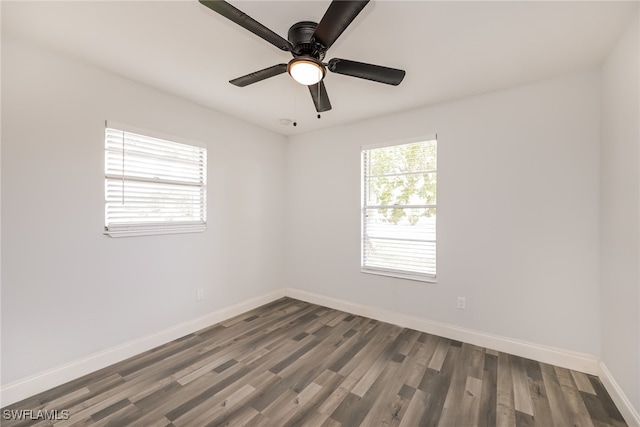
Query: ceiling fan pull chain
{"points": [[295, 105], [319, 97]]}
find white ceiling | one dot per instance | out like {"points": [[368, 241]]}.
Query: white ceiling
{"points": [[449, 49]]}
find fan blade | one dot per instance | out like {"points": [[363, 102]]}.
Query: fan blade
{"points": [[245, 21], [320, 97], [376, 73], [259, 75], [336, 19]]}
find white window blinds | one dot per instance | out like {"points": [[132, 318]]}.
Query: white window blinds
{"points": [[399, 185], [152, 185]]}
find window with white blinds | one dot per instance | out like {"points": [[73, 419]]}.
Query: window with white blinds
{"points": [[399, 184], [152, 185]]}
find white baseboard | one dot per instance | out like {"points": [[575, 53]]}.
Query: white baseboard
{"points": [[26, 387], [43, 381], [623, 404], [554, 356]]}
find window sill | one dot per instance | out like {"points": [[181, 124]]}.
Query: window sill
{"points": [[154, 231], [400, 275]]}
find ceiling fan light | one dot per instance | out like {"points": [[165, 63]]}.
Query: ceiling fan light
{"points": [[306, 71]]}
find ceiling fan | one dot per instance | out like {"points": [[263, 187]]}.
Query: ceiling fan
{"points": [[308, 42]]}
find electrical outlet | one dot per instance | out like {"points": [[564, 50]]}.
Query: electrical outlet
{"points": [[462, 303], [200, 294]]}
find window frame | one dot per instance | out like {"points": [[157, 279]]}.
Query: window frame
{"points": [[147, 228], [383, 271]]}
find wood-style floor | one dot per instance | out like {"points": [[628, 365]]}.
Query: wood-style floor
{"points": [[291, 363]]}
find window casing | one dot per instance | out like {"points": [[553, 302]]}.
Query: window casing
{"points": [[399, 187], [153, 185]]}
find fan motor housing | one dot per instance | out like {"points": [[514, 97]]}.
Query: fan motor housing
{"points": [[301, 37]]}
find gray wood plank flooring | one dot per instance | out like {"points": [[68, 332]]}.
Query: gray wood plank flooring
{"points": [[291, 363]]}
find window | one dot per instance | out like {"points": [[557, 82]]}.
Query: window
{"points": [[152, 185], [399, 210]]}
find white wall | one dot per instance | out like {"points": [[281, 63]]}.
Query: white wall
{"points": [[517, 213], [518, 220], [68, 291], [620, 214]]}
